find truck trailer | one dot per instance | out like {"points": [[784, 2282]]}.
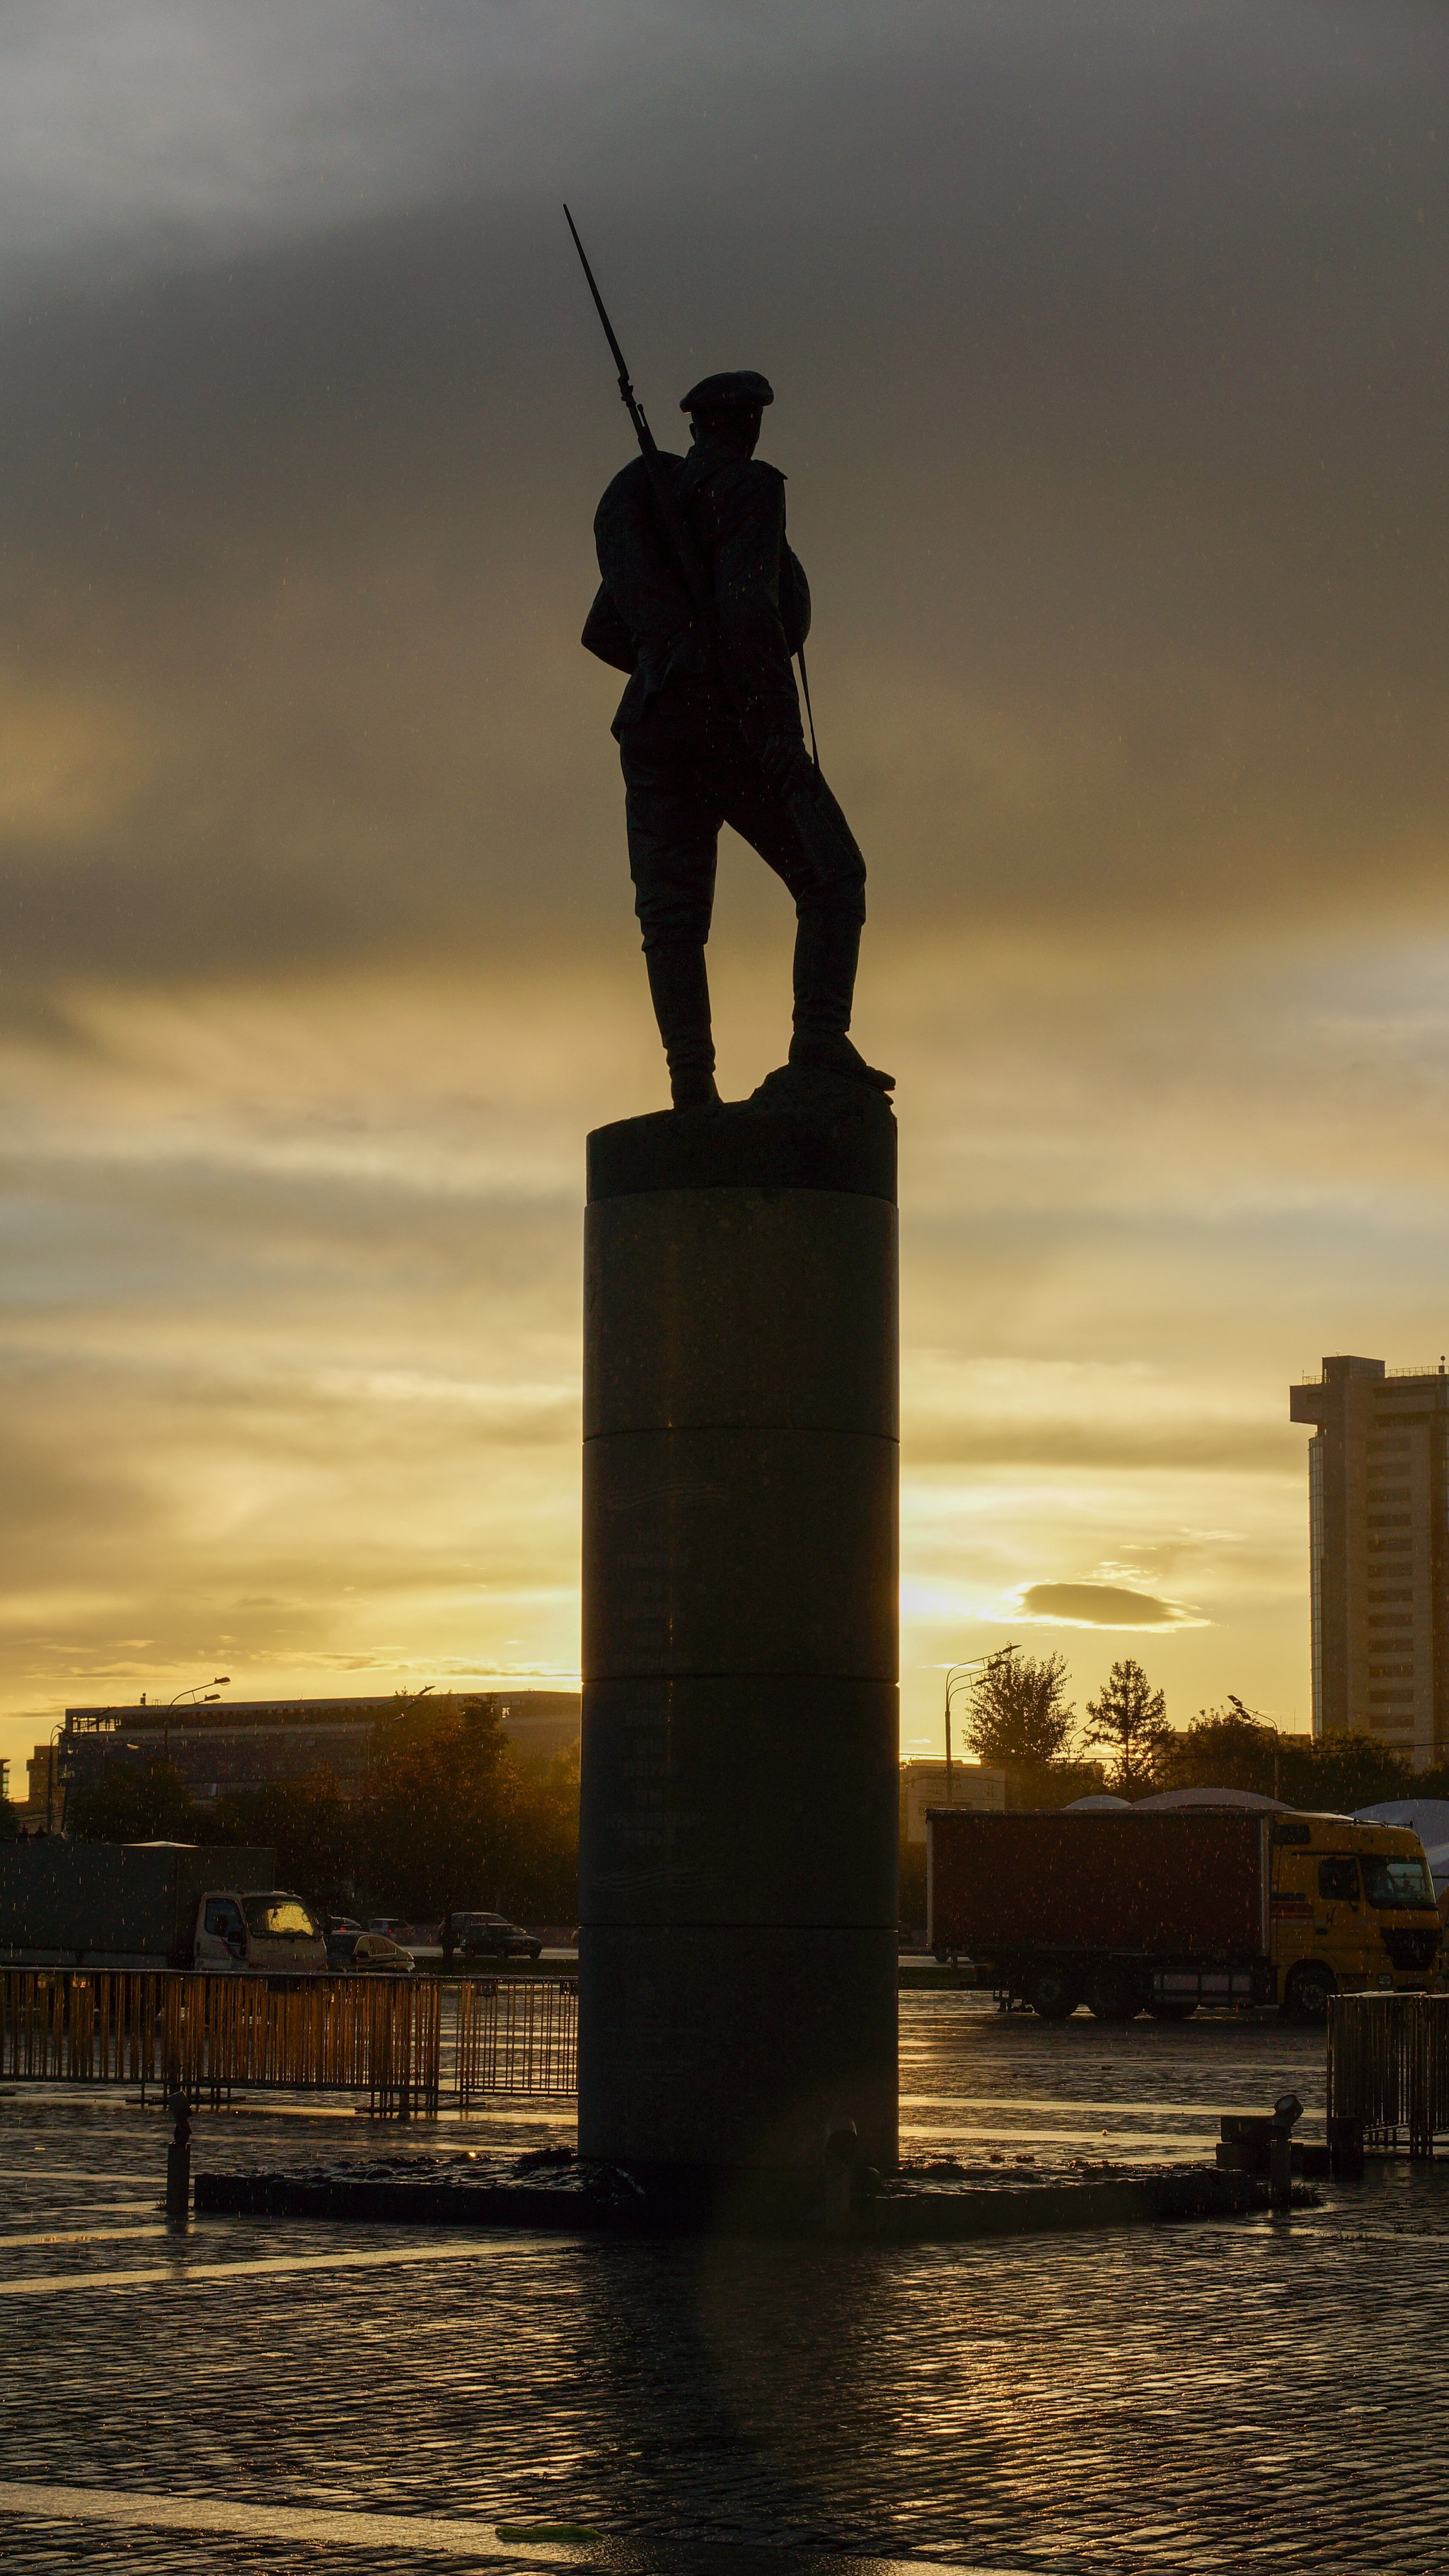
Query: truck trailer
{"points": [[148, 1906], [1166, 1910]]}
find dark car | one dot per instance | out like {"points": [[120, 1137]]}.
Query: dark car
{"points": [[492, 1936]]}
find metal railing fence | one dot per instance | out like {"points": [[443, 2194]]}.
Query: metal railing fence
{"points": [[209, 2035], [375, 2035], [56, 2028], [1388, 2067], [517, 2036]]}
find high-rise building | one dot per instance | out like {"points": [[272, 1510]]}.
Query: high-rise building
{"points": [[1378, 1515]]}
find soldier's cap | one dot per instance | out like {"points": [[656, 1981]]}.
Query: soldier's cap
{"points": [[740, 390]]}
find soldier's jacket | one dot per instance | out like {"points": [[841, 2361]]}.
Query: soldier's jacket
{"points": [[642, 620]]}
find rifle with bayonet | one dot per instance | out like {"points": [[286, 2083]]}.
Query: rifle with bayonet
{"points": [[696, 580]]}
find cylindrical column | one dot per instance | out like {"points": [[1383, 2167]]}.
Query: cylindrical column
{"points": [[737, 1951]]}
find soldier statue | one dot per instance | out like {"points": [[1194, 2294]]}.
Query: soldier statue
{"points": [[709, 728]]}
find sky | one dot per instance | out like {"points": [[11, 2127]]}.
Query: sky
{"points": [[1110, 359]]}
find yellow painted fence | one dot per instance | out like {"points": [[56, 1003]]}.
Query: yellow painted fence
{"points": [[382, 2036]]}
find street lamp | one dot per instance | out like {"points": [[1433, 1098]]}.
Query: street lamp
{"points": [[189, 1693], [956, 1679]]}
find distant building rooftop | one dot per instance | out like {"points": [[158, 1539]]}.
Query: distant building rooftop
{"points": [[237, 1744]]}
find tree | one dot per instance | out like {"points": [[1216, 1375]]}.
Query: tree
{"points": [[437, 1811], [1233, 1747], [1224, 1748], [1336, 1773], [134, 1803], [540, 1871], [1018, 1710], [1130, 1719], [307, 1823]]}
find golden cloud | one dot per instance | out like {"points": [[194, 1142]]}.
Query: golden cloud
{"points": [[1103, 1605]]}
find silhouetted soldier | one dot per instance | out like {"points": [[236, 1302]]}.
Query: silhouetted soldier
{"points": [[709, 732]]}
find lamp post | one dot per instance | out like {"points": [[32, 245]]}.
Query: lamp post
{"points": [[190, 1693], [956, 1676]]}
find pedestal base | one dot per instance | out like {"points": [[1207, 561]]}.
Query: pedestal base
{"points": [[740, 1788]]}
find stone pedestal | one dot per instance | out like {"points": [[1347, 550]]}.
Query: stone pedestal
{"points": [[737, 1953]]}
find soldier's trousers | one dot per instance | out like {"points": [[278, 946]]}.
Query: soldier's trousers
{"points": [[677, 794]]}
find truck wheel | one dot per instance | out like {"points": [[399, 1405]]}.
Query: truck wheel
{"points": [[1112, 1994], [1053, 1995], [1309, 1987]]}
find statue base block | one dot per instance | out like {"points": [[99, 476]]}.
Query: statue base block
{"points": [[738, 1946]]}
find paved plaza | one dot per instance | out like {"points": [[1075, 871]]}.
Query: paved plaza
{"points": [[254, 2395]]}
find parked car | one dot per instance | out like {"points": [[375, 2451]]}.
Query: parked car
{"points": [[369, 1954], [492, 1936]]}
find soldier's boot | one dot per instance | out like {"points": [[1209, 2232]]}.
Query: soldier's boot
{"points": [[827, 948], [679, 990]]}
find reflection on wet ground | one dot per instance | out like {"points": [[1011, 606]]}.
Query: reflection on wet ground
{"points": [[256, 2396]]}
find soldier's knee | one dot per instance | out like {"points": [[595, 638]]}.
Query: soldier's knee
{"points": [[842, 887], [672, 917], [843, 901]]}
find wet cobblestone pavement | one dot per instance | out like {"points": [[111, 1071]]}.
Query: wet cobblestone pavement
{"points": [[245, 2395]]}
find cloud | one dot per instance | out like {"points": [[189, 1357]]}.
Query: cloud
{"points": [[1102, 1446], [297, 533], [1110, 393], [1102, 1605]]}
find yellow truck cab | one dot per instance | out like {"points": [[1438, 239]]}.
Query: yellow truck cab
{"points": [[1352, 1906]]}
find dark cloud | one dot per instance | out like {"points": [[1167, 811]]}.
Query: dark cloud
{"points": [[1101, 1605], [1111, 392]]}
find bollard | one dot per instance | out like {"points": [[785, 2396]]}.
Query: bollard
{"points": [[1287, 2112], [178, 2160], [1345, 2148]]}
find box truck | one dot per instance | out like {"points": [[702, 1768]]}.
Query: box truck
{"points": [[148, 1906], [1163, 1911]]}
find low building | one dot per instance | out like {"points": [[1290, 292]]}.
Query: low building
{"points": [[941, 1784], [39, 1811], [227, 1745]]}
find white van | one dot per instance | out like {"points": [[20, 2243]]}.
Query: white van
{"points": [[269, 1932]]}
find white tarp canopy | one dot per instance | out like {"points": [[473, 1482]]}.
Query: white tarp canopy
{"points": [[1169, 1798]]}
